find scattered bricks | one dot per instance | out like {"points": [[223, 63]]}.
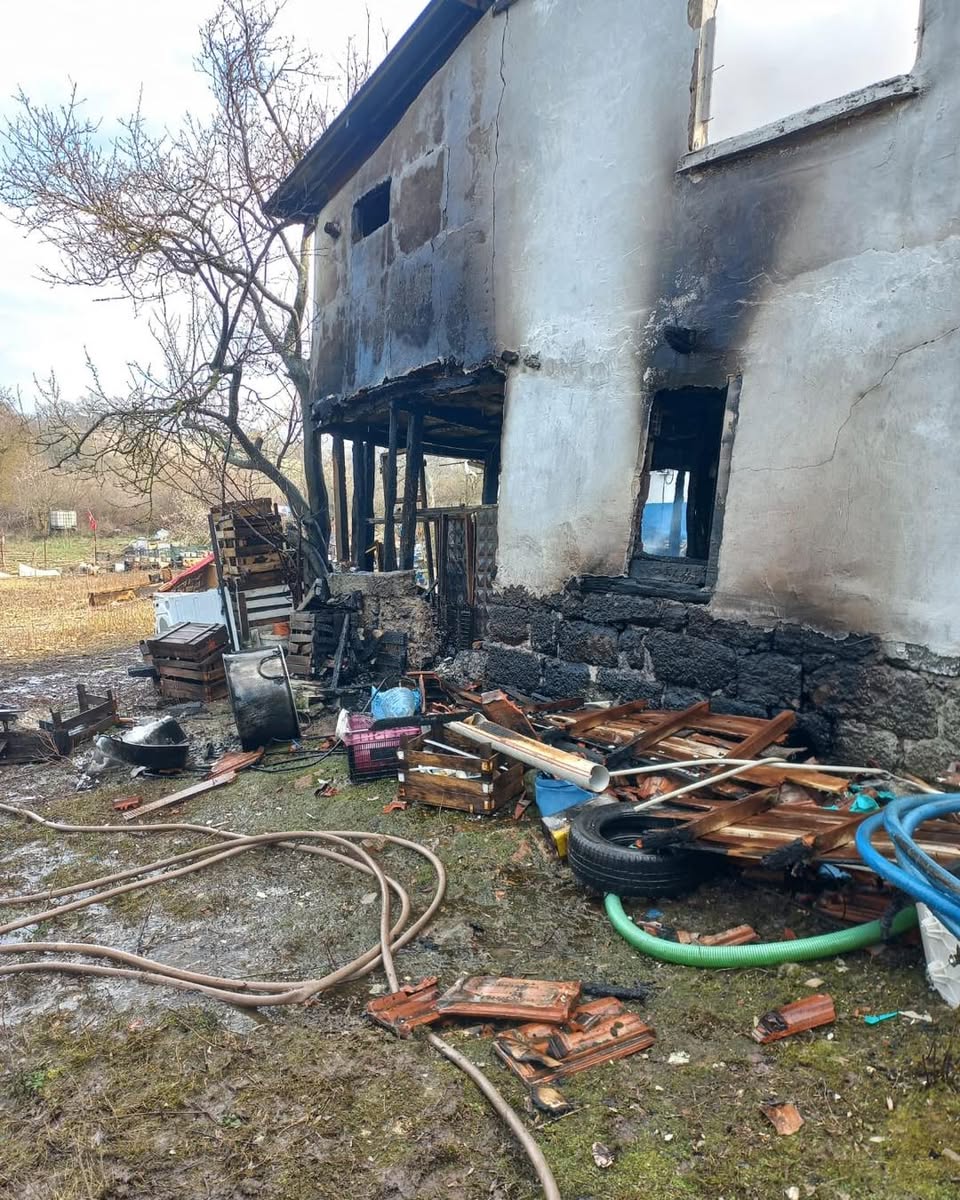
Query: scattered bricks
{"points": [[514, 668], [562, 679], [770, 679], [608, 608], [738, 635], [856, 743], [507, 623], [581, 641], [809, 1013], [630, 685], [544, 632], [680, 659]]}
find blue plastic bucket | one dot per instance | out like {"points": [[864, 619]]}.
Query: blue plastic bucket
{"points": [[555, 795]]}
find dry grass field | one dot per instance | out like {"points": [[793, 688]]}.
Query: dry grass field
{"points": [[44, 618]]}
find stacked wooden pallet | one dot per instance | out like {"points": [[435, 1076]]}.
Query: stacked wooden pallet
{"points": [[319, 641], [188, 660], [249, 537], [300, 645]]}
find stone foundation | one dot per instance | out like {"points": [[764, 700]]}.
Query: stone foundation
{"points": [[393, 601], [856, 697]]}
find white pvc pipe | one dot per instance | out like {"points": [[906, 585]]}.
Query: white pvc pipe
{"points": [[572, 768]]}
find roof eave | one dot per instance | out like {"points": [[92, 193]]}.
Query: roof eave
{"points": [[376, 108]]}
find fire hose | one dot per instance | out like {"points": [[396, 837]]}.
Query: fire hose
{"points": [[339, 846]]}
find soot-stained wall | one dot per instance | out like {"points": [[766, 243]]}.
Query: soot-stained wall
{"points": [[538, 208], [865, 700]]}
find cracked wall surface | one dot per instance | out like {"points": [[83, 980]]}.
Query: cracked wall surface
{"points": [[822, 270]]}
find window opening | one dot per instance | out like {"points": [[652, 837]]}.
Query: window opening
{"points": [[371, 211], [680, 473], [761, 61]]}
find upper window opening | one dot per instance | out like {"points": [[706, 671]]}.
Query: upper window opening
{"points": [[680, 476], [371, 211], [761, 61]]}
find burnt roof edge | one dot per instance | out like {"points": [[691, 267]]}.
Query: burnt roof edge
{"points": [[376, 108]]}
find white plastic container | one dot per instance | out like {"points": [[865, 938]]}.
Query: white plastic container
{"points": [[171, 608], [942, 952]]}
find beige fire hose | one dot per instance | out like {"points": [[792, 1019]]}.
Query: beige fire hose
{"points": [[340, 846]]}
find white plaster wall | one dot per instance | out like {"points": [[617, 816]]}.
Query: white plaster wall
{"points": [[590, 129], [563, 121], [844, 496]]}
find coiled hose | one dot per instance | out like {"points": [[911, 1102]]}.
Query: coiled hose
{"points": [[762, 954], [342, 846], [915, 871]]}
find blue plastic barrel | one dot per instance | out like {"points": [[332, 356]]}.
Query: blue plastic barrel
{"points": [[556, 795]]}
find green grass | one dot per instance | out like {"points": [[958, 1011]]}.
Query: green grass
{"points": [[135, 1097]]}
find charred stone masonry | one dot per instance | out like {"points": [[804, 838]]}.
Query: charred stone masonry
{"points": [[856, 697]]}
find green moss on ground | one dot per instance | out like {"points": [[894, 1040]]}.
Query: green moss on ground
{"points": [[149, 1093]]}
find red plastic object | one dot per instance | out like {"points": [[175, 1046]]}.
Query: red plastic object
{"points": [[372, 754]]}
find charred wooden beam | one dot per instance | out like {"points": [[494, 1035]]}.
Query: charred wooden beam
{"points": [[491, 476], [341, 526], [390, 496], [408, 520], [427, 530]]}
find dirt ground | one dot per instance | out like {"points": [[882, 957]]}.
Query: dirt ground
{"points": [[113, 1090]]}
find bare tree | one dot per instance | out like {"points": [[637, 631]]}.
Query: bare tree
{"points": [[174, 222]]}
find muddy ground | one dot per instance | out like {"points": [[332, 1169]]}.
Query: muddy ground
{"points": [[116, 1090]]}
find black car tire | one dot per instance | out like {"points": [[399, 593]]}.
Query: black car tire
{"points": [[603, 856]]}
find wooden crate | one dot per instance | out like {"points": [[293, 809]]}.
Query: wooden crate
{"points": [[188, 689], [243, 508], [498, 783], [189, 640]]}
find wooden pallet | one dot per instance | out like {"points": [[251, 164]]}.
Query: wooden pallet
{"points": [[94, 714], [492, 789]]}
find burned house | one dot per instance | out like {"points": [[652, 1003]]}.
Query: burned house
{"points": [[711, 379]]}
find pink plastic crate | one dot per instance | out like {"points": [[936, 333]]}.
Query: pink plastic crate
{"points": [[372, 754]]}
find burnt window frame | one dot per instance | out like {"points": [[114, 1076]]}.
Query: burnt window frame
{"points": [[368, 208], [683, 577]]}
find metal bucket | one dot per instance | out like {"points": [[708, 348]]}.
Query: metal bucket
{"points": [[261, 697]]}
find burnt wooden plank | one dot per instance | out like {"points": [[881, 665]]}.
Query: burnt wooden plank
{"points": [[390, 494], [411, 480], [671, 723]]}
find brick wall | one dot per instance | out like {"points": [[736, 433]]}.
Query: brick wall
{"points": [[856, 697]]}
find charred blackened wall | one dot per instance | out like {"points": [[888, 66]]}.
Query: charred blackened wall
{"points": [[545, 204], [420, 287], [866, 700]]}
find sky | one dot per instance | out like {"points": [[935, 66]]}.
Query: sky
{"points": [[773, 57], [110, 54]]}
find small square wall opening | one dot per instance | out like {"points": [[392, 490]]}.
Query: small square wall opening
{"points": [[371, 211]]}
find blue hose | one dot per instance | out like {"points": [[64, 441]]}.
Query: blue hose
{"points": [[914, 872]]}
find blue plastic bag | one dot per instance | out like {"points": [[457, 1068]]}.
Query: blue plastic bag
{"points": [[394, 702]]}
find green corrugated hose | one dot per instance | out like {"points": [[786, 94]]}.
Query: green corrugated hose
{"points": [[762, 954]]}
